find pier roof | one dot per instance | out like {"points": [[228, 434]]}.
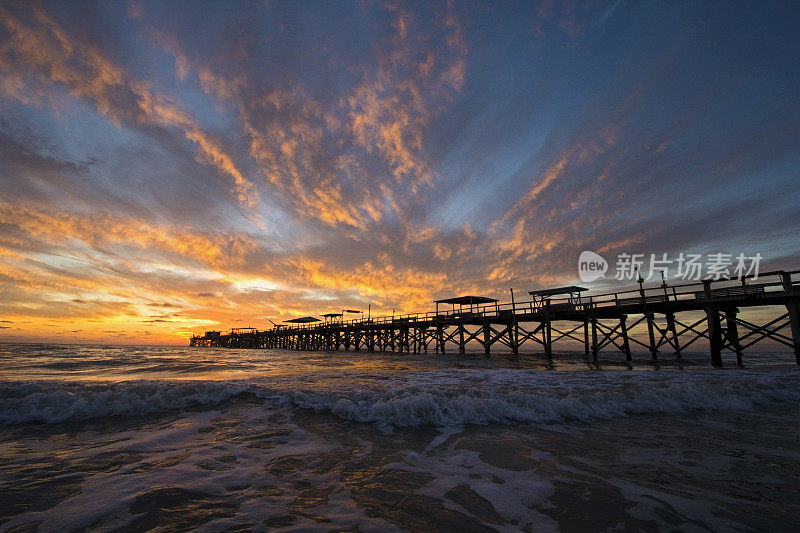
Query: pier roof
{"points": [[466, 300], [558, 290], [302, 320], [331, 315]]}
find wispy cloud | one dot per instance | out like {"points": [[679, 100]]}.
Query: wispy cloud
{"points": [[40, 50]]}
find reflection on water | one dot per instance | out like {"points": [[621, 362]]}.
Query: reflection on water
{"points": [[20, 362]]}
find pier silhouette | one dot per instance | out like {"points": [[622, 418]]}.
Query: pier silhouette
{"points": [[669, 313]]}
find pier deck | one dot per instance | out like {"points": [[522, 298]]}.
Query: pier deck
{"points": [[669, 313]]}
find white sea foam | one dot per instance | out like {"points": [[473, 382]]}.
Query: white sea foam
{"points": [[57, 402], [422, 398], [509, 396]]}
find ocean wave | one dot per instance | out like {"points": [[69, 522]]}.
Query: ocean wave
{"points": [[511, 398], [52, 402], [423, 398]]}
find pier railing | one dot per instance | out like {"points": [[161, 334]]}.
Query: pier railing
{"points": [[768, 283]]}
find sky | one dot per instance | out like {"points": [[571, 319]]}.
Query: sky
{"points": [[172, 167]]}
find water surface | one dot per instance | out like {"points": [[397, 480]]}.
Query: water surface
{"points": [[133, 438]]}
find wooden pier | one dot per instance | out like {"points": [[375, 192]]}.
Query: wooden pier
{"points": [[675, 317]]}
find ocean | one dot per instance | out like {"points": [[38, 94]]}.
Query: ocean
{"points": [[126, 438]]}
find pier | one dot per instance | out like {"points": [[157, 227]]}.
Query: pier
{"points": [[675, 317]]}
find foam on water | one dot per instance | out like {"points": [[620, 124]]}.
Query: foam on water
{"points": [[51, 402], [420, 398], [444, 398]]}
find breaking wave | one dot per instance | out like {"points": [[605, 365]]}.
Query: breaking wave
{"points": [[51, 402], [524, 397], [425, 398]]}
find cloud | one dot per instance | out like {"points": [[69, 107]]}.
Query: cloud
{"points": [[405, 288], [296, 160], [346, 159], [100, 231], [39, 49]]}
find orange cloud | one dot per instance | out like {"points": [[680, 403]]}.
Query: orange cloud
{"points": [[405, 289], [390, 110], [308, 152], [101, 230]]}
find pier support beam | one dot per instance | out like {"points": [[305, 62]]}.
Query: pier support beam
{"points": [[673, 330], [714, 327], [652, 337], [793, 310], [732, 333], [548, 332], [626, 345], [586, 336], [513, 336], [714, 334]]}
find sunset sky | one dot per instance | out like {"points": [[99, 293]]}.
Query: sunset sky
{"points": [[172, 167]]}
